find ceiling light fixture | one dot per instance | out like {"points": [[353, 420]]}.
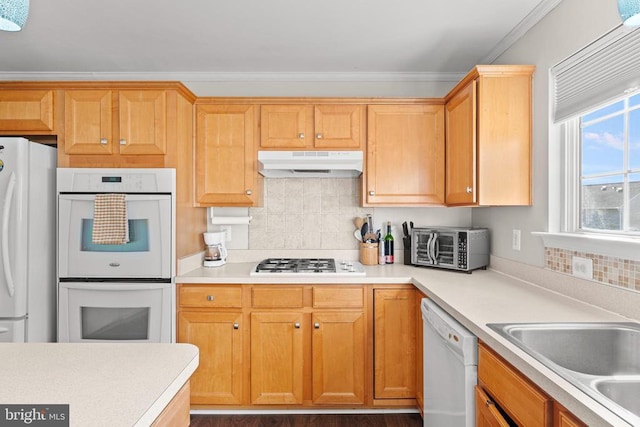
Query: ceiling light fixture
{"points": [[629, 11], [13, 14]]}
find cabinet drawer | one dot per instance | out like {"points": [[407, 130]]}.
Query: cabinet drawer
{"points": [[276, 297], [210, 296], [336, 296], [527, 405]]}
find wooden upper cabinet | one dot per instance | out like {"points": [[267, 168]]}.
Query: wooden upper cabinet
{"points": [[88, 122], [337, 126], [311, 126], [143, 122], [461, 146], [488, 133], [405, 155], [94, 126], [27, 111], [226, 173]]}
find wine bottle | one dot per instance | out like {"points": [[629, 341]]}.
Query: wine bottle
{"points": [[388, 244]]}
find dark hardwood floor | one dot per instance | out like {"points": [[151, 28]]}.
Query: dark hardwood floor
{"points": [[310, 420]]}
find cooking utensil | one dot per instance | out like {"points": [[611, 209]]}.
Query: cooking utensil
{"points": [[405, 229], [358, 221], [357, 234], [370, 237], [364, 230]]}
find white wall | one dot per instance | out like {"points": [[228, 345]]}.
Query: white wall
{"points": [[570, 26]]}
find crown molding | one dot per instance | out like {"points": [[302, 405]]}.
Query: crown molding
{"points": [[529, 21], [240, 77]]}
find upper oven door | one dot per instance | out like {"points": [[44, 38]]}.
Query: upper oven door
{"points": [[146, 255]]}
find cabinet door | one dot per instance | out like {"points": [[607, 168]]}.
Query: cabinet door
{"points": [[225, 155], [218, 379], [338, 360], [87, 122], [277, 358], [461, 147], [405, 154], [487, 414], [286, 126], [143, 122], [394, 344], [26, 110], [337, 126]]}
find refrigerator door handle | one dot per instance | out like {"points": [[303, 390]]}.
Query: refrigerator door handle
{"points": [[8, 199]]}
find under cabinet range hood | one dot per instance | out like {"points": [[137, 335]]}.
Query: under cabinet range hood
{"points": [[310, 164]]}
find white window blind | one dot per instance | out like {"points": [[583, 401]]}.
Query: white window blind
{"points": [[600, 72]]}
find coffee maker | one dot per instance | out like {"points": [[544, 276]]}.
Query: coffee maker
{"points": [[215, 253]]}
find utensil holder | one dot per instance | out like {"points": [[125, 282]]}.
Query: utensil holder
{"points": [[369, 253]]}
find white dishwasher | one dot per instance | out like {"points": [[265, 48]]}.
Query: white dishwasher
{"points": [[450, 369]]}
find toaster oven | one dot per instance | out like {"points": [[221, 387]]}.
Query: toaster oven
{"points": [[463, 249]]}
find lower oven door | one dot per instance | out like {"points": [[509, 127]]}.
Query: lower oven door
{"points": [[114, 312]]}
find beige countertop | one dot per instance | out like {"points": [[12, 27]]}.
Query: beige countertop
{"points": [[474, 300], [103, 384]]}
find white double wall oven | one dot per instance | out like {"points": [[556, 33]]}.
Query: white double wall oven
{"points": [[120, 292]]}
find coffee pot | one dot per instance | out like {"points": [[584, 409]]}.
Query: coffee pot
{"points": [[215, 253]]}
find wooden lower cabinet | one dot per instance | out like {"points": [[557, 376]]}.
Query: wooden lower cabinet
{"points": [[300, 345], [563, 418], [338, 357], [394, 344], [487, 413], [277, 358], [219, 337]]}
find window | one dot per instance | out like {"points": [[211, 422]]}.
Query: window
{"points": [[609, 168]]}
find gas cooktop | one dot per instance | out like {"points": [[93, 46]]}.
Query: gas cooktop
{"points": [[308, 266]]}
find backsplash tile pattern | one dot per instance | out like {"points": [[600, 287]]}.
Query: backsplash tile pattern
{"points": [[614, 271], [307, 213]]}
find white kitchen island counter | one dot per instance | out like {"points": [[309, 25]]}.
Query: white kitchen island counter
{"points": [[103, 384], [474, 300]]}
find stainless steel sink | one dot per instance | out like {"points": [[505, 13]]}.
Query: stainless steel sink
{"points": [[601, 359]]}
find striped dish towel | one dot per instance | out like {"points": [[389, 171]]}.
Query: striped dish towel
{"points": [[110, 225]]}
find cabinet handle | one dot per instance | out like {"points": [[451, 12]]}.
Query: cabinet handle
{"points": [[103, 141], [372, 193], [316, 325], [469, 190], [236, 326], [318, 135], [123, 142], [301, 135], [248, 192], [296, 325], [210, 297]]}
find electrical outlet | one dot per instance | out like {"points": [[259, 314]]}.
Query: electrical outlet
{"points": [[515, 240], [582, 267]]}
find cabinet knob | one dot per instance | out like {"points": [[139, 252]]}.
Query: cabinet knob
{"points": [[236, 326], [248, 192], [318, 135], [372, 193], [103, 141], [301, 135], [210, 297], [316, 325], [296, 325], [123, 142], [469, 190]]}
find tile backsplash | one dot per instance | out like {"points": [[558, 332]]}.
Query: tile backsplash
{"points": [[610, 270], [307, 213]]}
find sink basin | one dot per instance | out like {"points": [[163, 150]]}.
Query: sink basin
{"points": [[602, 349], [601, 359]]}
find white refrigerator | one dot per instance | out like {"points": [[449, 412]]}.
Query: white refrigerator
{"points": [[27, 241]]}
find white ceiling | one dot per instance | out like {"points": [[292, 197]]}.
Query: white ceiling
{"points": [[263, 36]]}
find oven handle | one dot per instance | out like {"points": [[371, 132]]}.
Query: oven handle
{"points": [[131, 197], [128, 286], [8, 200]]}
